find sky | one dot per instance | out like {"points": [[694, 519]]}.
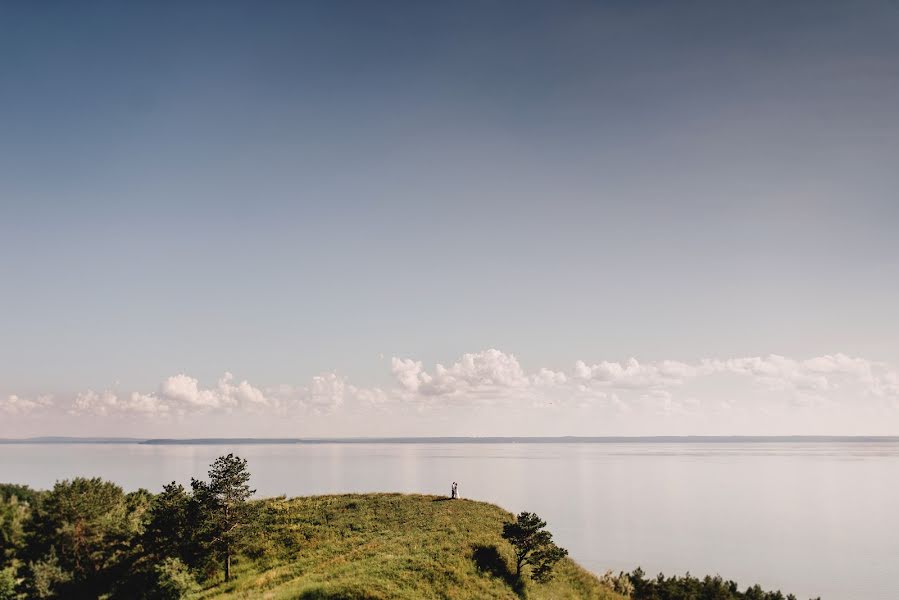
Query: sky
{"points": [[467, 218]]}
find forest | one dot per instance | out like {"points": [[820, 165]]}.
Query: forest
{"points": [[87, 538]]}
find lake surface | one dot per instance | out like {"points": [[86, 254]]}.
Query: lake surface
{"points": [[807, 518]]}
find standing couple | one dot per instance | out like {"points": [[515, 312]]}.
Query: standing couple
{"points": [[454, 491]]}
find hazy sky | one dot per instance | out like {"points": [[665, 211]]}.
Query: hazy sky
{"points": [[329, 199]]}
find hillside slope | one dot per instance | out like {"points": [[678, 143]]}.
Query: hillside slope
{"points": [[386, 546]]}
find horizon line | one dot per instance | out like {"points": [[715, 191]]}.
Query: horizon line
{"points": [[448, 439]]}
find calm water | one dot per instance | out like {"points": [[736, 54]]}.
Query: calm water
{"points": [[809, 518]]}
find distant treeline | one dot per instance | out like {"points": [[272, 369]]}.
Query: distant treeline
{"points": [[637, 586]]}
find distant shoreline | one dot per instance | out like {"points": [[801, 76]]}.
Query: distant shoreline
{"points": [[699, 439]]}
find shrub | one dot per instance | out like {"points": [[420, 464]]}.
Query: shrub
{"points": [[174, 580], [620, 583]]}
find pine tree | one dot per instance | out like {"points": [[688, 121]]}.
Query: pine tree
{"points": [[168, 532], [533, 546], [227, 516]]}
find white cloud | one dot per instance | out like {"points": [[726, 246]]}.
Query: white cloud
{"points": [[178, 394], [479, 371], [776, 372], [325, 393], [814, 375], [408, 373], [634, 375], [241, 394], [548, 377], [147, 404], [97, 403], [18, 405], [492, 378], [326, 390], [107, 403], [185, 392]]}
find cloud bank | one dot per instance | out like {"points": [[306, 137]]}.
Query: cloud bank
{"points": [[495, 380], [17, 405]]}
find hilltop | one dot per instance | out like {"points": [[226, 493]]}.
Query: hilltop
{"points": [[396, 546], [87, 538]]}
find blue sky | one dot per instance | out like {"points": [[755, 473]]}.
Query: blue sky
{"points": [[292, 190]]}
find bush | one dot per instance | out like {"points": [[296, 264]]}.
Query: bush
{"points": [[174, 580], [620, 583]]}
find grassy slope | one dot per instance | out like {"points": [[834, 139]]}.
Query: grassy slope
{"points": [[391, 546]]}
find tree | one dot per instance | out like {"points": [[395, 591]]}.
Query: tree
{"points": [[22, 492], [17, 503], [83, 523], [8, 583], [46, 577], [708, 588], [86, 528], [533, 546], [227, 516], [168, 533], [13, 515]]}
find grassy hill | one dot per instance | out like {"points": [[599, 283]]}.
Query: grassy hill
{"points": [[386, 546]]}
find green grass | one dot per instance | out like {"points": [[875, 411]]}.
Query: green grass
{"points": [[390, 546]]}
